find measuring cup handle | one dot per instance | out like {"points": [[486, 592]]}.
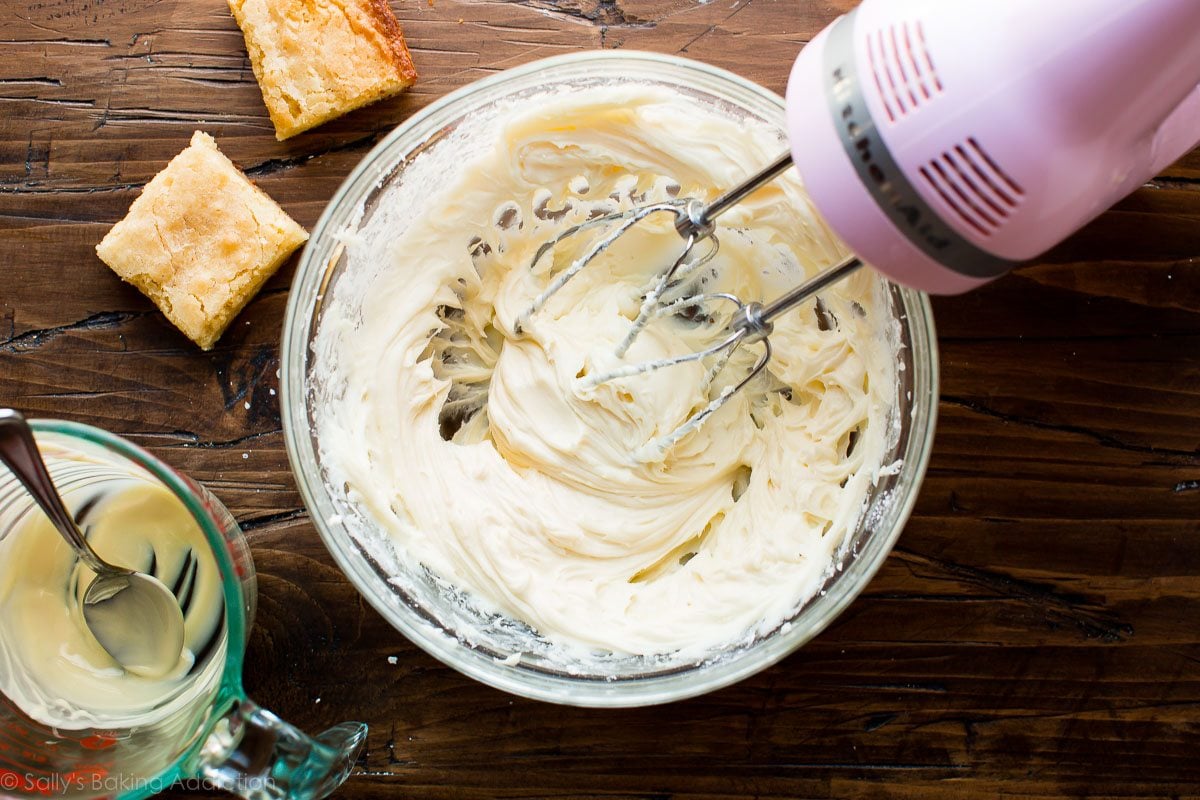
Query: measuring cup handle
{"points": [[255, 754]]}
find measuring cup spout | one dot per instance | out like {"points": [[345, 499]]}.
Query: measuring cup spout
{"points": [[255, 754]]}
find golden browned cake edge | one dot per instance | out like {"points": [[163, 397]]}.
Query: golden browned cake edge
{"points": [[394, 35]]}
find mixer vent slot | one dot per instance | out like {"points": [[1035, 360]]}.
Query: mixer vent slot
{"points": [[903, 69], [974, 187]]}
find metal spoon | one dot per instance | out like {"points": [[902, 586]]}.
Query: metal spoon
{"points": [[133, 616]]}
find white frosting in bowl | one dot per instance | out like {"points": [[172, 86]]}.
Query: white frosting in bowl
{"points": [[482, 455]]}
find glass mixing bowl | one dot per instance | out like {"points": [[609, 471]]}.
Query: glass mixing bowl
{"points": [[438, 617]]}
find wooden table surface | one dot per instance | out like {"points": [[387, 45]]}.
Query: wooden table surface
{"points": [[1036, 632]]}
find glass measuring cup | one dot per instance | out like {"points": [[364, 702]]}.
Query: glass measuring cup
{"points": [[200, 724]]}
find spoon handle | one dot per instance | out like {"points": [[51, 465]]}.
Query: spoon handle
{"points": [[19, 452]]}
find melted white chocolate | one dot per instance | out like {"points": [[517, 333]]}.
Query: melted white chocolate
{"points": [[545, 503], [52, 667]]}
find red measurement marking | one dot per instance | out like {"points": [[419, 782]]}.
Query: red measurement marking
{"points": [[98, 741]]}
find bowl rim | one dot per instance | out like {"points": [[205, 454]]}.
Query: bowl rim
{"points": [[309, 285]]}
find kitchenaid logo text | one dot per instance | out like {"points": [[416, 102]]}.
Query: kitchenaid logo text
{"points": [[859, 131]]}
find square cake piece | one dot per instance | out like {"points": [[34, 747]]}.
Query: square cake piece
{"points": [[200, 241], [317, 59]]}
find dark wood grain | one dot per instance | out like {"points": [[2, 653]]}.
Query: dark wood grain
{"points": [[1035, 634]]}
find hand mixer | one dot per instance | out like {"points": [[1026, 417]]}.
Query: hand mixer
{"points": [[945, 142]]}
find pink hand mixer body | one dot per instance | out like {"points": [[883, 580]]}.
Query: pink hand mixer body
{"points": [[948, 141], [945, 141]]}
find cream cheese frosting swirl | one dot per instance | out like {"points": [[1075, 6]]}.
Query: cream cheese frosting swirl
{"points": [[488, 460]]}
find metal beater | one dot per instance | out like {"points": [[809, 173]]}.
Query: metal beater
{"points": [[751, 322], [924, 134]]}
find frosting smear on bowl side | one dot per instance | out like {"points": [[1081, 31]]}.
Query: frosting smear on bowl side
{"points": [[485, 456]]}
